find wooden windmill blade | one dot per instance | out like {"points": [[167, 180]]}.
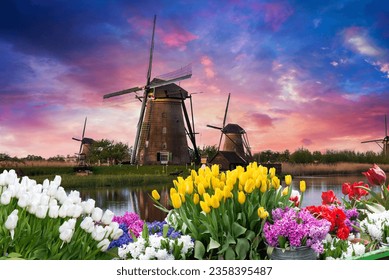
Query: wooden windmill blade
{"points": [[144, 101], [172, 77], [82, 137], [121, 92]]}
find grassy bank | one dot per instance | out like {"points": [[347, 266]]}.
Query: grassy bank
{"points": [[102, 176]]}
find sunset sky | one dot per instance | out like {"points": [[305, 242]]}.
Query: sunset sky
{"points": [[312, 74]]}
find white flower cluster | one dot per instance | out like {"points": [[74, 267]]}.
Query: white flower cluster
{"points": [[155, 248], [51, 200], [353, 249], [374, 225]]}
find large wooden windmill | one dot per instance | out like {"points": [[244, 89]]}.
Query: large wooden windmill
{"points": [[235, 137], [163, 124], [85, 144], [382, 143]]}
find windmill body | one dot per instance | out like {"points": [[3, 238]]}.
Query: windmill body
{"points": [[85, 145], [382, 143], [233, 141], [236, 148], [163, 137]]}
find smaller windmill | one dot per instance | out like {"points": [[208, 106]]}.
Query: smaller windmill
{"points": [[85, 144], [382, 143], [235, 137]]}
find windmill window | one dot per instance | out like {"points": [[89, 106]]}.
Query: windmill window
{"points": [[164, 130], [164, 146]]}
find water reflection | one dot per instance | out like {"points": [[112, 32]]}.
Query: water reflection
{"points": [[138, 200]]}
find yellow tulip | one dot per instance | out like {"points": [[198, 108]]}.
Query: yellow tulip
{"points": [[200, 188], [288, 180], [263, 187], [207, 198], [223, 177], [303, 186], [196, 198], [193, 173], [176, 200], [285, 191], [205, 207], [272, 172], [215, 202], [276, 182], [155, 195], [215, 183], [172, 191], [219, 194], [243, 178], [227, 193], [215, 170], [262, 213], [241, 197], [189, 185], [249, 186]]}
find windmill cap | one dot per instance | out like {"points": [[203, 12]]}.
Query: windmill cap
{"points": [[233, 128], [87, 141], [168, 91]]}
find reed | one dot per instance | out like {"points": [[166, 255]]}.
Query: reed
{"points": [[342, 168]]}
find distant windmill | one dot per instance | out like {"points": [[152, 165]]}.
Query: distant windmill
{"points": [[161, 132], [84, 146], [382, 143], [236, 139]]}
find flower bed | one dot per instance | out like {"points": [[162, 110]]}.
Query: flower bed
{"points": [[236, 214]]}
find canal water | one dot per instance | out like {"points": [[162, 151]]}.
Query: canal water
{"points": [[137, 199]]}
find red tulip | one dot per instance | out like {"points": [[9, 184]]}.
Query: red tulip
{"points": [[375, 175], [346, 188], [329, 197]]}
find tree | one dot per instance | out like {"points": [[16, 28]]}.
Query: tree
{"points": [[208, 151], [107, 151]]}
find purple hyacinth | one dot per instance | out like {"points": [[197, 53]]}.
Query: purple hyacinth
{"points": [[299, 228]]}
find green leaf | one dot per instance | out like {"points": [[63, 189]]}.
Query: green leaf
{"points": [[375, 208], [242, 248], [230, 254], [213, 244], [199, 250], [237, 229], [250, 235], [281, 241]]}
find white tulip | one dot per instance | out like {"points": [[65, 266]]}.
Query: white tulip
{"points": [[61, 195], [114, 225], [52, 202], [35, 198], [66, 235], [107, 217], [53, 211], [116, 233], [57, 180], [44, 199], [103, 245], [63, 210], [97, 214], [5, 198], [71, 210], [32, 208], [98, 233], [88, 205], [88, 224], [2, 179], [46, 183], [24, 200], [74, 197], [41, 211], [77, 211], [12, 220], [13, 189]]}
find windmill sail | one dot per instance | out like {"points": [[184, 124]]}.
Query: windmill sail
{"points": [[382, 143]]}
